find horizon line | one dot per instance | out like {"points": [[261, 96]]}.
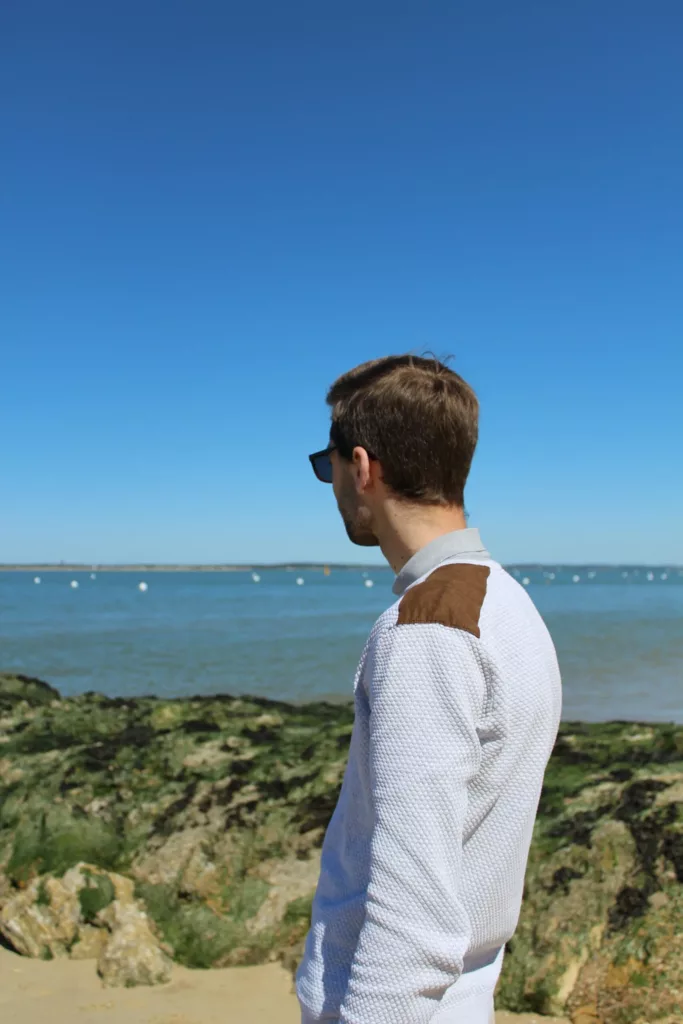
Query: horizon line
{"points": [[265, 566]]}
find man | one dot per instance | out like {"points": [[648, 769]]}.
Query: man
{"points": [[457, 706]]}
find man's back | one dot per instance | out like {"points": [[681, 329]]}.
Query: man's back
{"points": [[458, 702]]}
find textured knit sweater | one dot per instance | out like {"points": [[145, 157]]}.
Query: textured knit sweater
{"points": [[457, 706]]}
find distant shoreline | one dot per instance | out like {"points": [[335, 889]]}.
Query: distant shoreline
{"points": [[144, 567], [305, 567]]}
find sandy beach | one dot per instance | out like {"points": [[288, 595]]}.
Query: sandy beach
{"points": [[69, 992]]}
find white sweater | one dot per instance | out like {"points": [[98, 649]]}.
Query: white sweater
{"points": [[423, 862]]}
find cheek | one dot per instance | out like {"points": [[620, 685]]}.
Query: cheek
{"points": [[340, 486], [337, 480]]}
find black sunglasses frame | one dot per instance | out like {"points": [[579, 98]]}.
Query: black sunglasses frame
{"points": [[322, 459]]}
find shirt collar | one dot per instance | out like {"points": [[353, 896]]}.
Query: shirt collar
{"points": [[450, 545]]}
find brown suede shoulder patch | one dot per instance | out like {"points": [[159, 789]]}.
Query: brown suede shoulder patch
{"points": [[452, 596]]}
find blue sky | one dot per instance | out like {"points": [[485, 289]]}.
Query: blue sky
{"points": [[210, 210]]}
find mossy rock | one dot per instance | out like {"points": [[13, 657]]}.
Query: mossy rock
{"points": [[55, 841], [17, 688], [95, 896], [191, 798], [606, 859]]}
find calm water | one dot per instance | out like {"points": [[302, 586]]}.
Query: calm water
{"points": [[619, 640]]}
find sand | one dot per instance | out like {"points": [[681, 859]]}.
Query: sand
{"points": [[69, 992]]}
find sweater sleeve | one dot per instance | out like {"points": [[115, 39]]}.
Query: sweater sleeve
{"points": [[426, 689]]}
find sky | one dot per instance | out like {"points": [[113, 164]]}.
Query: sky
{"points": [[209, 210]]}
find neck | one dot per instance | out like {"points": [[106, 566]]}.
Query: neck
{"points": [[405, 529]]}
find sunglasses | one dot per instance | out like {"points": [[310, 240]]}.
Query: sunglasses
{"points": [[322, 464]]}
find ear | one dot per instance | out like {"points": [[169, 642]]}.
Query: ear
{"points": [[361, 466]]}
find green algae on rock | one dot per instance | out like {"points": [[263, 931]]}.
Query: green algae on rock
{"points": [[215, 808], [87, 914], [15, 689], [601, 930]]}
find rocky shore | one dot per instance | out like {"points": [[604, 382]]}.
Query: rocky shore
{"points": [[140, 832]]}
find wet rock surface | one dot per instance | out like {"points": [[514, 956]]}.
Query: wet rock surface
{"points": [[197, 825]]}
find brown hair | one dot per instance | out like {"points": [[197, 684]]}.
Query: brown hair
{"points": [[417, 417]]}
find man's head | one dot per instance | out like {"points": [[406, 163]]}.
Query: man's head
{"points": [[404, 429]]}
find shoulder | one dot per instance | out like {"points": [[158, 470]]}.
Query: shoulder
{"points": [[452, 595]]}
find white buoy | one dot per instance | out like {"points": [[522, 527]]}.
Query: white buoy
{"points": [[74, 584], [36, 579], [93, 576], [299, 581], [526, 581], [255, 577], [650, 576], [576, 579], [664, 576], [551, 575], [591, 575], [142, 586], [369, 583]]}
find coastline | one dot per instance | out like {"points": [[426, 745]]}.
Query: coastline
{"points": [[300, 567], [153, 567], [199, 822]]}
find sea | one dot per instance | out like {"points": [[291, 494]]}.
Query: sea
{"points": [[297, 635]]}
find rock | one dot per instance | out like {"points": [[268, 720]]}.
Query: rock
{"points": [[9, 773], [87, 914], [181, 861], [17, 688], [659, 900], [90, 944], [56, 917], [124, 888], [600, 936], [217, 808], [132, 956], [288, 880], [208, 755], [569, 928], [44, 919], [6, 890], [29, 925]]}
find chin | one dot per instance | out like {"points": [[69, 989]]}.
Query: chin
{"points": [[365, 541], [361, 538], [357, 525]]}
